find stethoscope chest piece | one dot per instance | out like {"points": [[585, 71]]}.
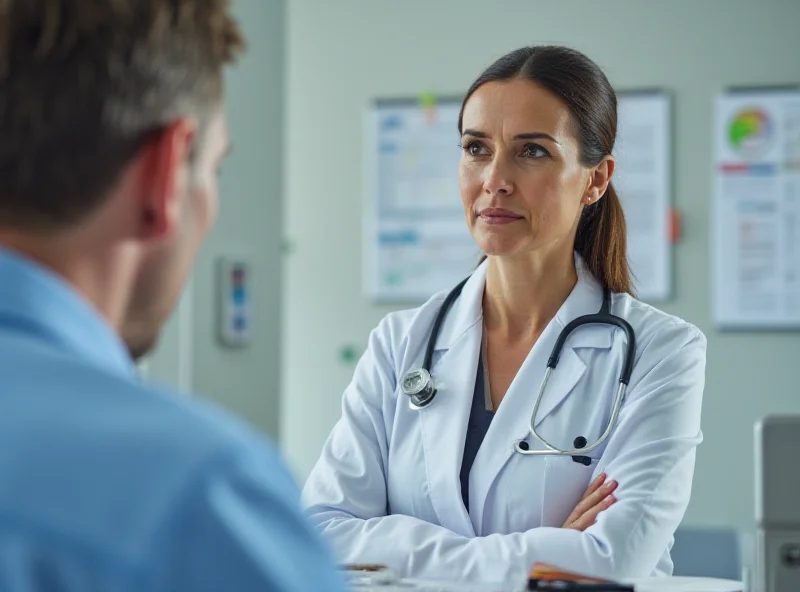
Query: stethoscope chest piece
{"points": [[418, 386]]}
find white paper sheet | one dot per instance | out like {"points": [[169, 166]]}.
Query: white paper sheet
{"points": [[756, 214]]}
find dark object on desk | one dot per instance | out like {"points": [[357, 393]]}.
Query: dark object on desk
{"points": [[545, 576], [566, 585], [364, 567]]}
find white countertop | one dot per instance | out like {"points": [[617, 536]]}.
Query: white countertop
{"points": [[685, 584], [664, 584]]}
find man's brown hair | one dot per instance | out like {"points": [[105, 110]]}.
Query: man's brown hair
{"points": [[85, 83]]}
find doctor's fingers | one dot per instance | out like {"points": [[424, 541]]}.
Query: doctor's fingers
{"points": [[585, 513], [590, 516], [594, 486], [595, 496], [581, 508]]}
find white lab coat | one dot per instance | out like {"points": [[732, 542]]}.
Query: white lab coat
{"points": [[386, 488]]}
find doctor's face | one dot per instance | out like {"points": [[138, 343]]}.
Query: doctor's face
{"points": [[521, 179]]}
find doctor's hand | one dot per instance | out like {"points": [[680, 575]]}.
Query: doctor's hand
{"points": [[596, 499]]}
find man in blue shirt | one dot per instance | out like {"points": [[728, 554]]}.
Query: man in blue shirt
{"points": [[111, 132]]}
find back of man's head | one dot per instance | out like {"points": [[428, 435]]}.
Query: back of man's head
{"points": [[106, 110]]}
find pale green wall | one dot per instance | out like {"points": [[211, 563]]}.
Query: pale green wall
{"points": [[247, 380], [342, 54]]}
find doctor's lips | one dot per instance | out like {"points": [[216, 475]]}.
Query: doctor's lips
{"points": [[498, 216]]}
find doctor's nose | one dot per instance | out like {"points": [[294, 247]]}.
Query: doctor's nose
{"points": [[497, 181]]}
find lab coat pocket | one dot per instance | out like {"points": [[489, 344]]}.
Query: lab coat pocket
{"points": [[564, 483]]}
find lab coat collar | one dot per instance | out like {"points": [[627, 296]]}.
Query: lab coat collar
{"points": [[585, 298], [466, 311], [37, 302]]}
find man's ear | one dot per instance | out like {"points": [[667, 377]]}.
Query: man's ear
{"points": [[165, 157]]}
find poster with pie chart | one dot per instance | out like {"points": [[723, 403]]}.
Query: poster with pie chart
{"points": [[756, 210]]}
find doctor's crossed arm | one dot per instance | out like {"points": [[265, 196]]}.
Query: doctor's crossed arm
{"points": [[598, 496], [456, 454]]}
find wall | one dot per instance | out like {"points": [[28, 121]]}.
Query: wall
{"points": [[342, 54], [246, 380], [171, 362]]}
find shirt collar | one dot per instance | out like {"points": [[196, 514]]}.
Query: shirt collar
{"points": [[36, 300]]}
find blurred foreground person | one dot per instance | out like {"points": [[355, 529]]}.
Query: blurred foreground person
{"points": [[111, 133]]}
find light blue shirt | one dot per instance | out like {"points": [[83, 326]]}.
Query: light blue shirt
{"points": [[110, 484]]}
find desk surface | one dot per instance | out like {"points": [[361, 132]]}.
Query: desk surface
{"points": [[670, 584], [685, 584]]}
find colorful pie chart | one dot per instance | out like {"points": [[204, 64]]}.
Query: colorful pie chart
{"points": [[750, 132]]}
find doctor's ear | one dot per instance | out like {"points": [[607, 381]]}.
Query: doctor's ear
{"points": [[599, 178]]}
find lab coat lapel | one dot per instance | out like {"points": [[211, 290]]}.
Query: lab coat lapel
{"points": [[512, 420], [511, 423], [444, 421]]}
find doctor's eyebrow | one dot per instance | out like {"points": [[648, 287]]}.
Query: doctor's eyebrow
{"points": [[527, 136]]}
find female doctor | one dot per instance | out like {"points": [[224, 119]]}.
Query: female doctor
{"points": [[455, 487]]}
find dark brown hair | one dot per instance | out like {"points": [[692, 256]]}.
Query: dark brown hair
{"points": [[84, 84], [583, 87]]}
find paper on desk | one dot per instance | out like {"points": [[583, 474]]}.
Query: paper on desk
{"points": [[684, 584]]}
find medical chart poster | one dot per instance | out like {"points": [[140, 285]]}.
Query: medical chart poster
{"points": [[756, 210], [418, 242], [643, 180]]}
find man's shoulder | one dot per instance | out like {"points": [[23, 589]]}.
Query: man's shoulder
{"points": [[120, 405], [110, 460]]}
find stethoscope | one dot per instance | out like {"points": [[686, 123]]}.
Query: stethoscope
{"points": [[419, 385]]}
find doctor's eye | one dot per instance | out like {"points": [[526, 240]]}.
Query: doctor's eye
{"points": [[475, 148], [534, 151]]}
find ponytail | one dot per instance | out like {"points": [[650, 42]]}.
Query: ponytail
{"points": [[601, 241]]}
